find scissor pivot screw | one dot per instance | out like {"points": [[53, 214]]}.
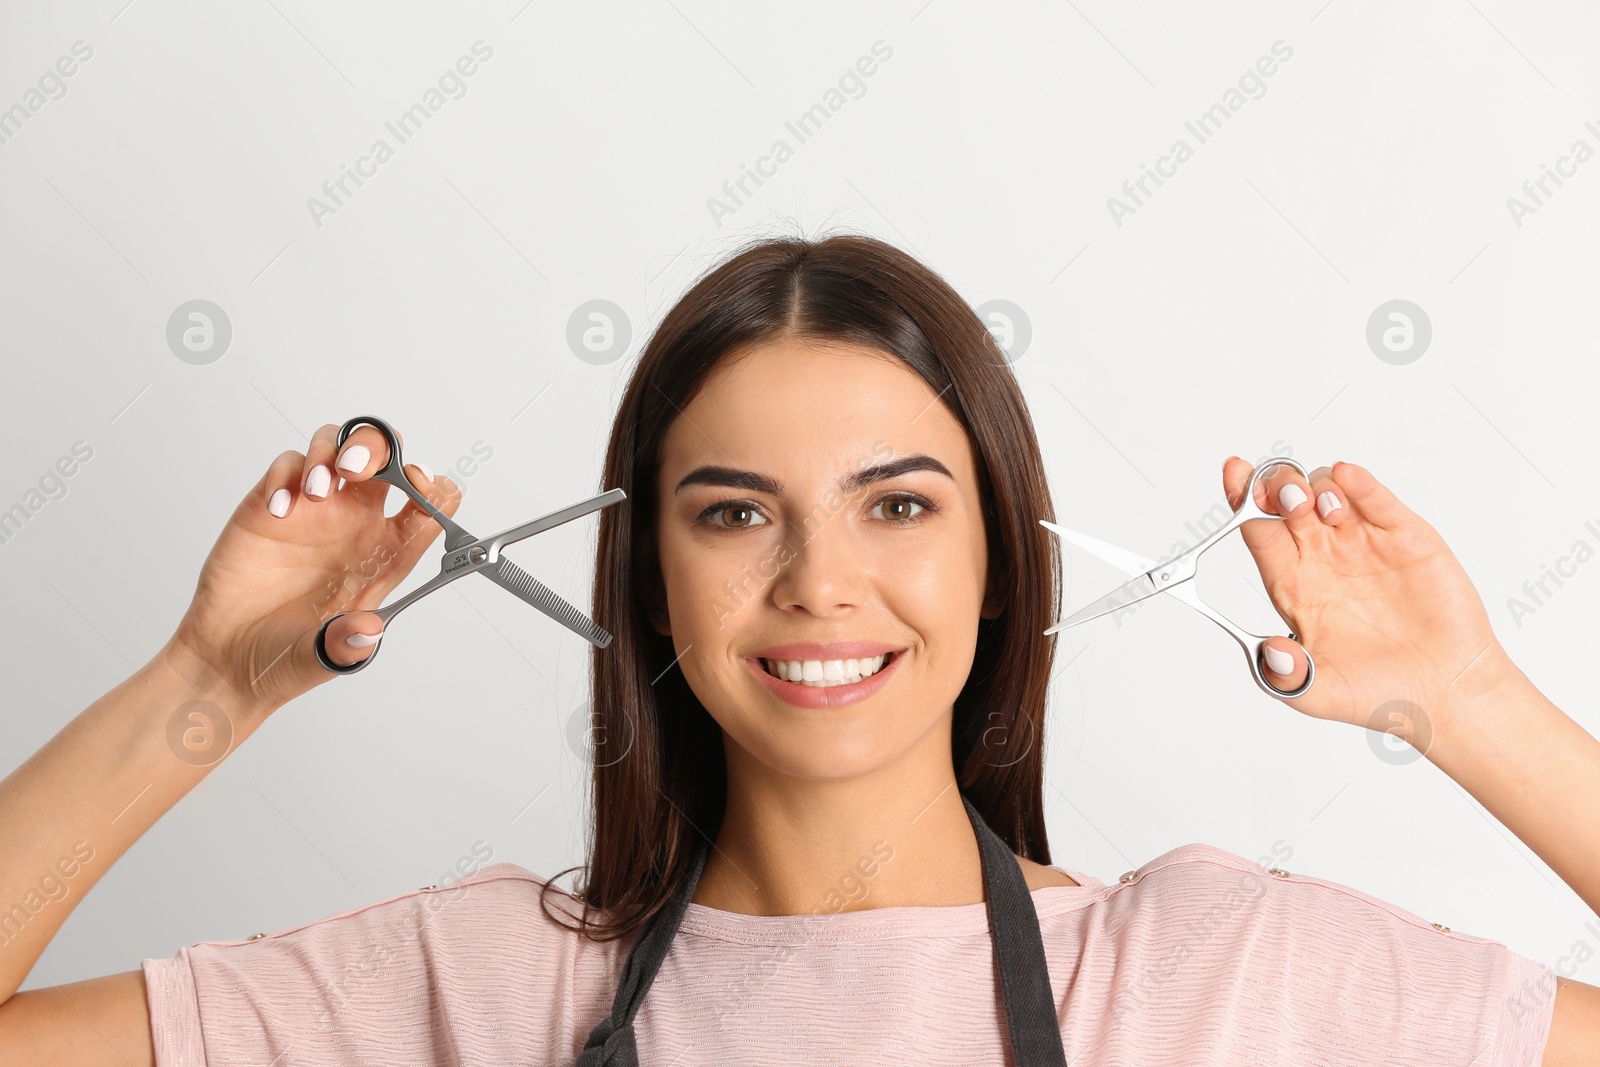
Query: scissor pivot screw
{"points": [[476, 553]]}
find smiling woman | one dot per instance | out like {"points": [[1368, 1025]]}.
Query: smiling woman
{"points": [[833, 415], [828, 590]]}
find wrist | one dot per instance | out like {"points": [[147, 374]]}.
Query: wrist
{"points": [[198, 679], [1489, 694]]}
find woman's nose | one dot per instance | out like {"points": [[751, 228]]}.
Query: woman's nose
{"points": [[823, 572]]}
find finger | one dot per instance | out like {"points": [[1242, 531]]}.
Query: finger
{"points": [[1288, 493], [352, 637], [414, 529], [319, 467], [364, 453], [1370, 498], [1283, 663], [278, 489], [1328, 497], [1273, 547]]}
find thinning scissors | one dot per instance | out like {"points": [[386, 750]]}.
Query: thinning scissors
{"points": [[466, 554], [1176, 576]]}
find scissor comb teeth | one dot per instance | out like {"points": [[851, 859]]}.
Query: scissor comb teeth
{"points": [[538, 594]]}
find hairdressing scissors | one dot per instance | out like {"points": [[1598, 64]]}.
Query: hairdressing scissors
{"points": [[466, 554], [1176, 576]]}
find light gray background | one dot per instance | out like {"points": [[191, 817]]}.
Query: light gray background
{"points": [[1228, 313]]}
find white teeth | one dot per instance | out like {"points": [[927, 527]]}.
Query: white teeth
{"points": [[824, 673]]}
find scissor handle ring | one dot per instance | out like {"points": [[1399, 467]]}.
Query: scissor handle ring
{"points": [[320, 644], [393, 471], [1272, 690], [1249, 499]]}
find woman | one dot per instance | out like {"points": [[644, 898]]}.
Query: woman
{"points": [[818, 817]]}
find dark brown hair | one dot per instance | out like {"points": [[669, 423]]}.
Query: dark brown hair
{"points": [[655, 806]]}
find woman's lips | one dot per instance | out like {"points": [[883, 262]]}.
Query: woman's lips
{"points": [[828, 696]]}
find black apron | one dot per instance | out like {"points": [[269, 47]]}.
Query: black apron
{"points": [[1018, 948]]}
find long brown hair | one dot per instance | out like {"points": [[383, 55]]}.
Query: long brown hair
{"points": [[662, 800]]}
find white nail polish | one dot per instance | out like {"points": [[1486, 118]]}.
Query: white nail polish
{"points": [[317, 481], [1327, 503], [362, 640], [423, 467], [1278, 661], [1290, 497], [279, 503], [354, 458]]}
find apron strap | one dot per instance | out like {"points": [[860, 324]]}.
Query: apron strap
{"points": [[1014, 927], [611, 1042], [1019, 951]]}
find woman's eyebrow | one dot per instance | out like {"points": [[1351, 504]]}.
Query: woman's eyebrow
{"points": [[762, 483]]}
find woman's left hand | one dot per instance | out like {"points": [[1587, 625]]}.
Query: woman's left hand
{"points": [[1375, 595]]}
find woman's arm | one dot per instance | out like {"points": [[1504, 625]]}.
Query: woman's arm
{"points": [[1531, 766], [75, 806], [1403, 645], [66, 815], [242, 650]]}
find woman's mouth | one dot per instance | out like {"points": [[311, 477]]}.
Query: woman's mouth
{"points": [[826, 673], [826, 683]]}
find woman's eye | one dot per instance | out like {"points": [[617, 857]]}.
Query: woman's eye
{"points": [[734, 516], [899, 508]]}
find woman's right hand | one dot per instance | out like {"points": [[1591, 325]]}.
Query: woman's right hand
{"points": [[271, 581]]}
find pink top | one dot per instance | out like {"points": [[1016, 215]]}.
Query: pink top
{"points": [[1202, 957]]}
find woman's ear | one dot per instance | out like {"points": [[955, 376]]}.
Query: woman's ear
{"points": [[660, 622]]}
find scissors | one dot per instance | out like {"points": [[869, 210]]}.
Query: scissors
{"points": [[1176, 576], [466, 554]]}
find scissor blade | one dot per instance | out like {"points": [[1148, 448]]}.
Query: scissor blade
{"points": [[529, 589], [556, 518], [1128, 593], [1128, 562], [1120, 558]]}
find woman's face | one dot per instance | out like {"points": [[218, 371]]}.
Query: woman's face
{"points": [[813, 498]]}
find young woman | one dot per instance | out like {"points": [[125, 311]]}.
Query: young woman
{"points": [[818, 827]]}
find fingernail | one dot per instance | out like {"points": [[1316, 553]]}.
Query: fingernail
{"points": [[426, 473], [354, 458], [364, 640], [1290, 497], [317, 481], [279, 503], [1327, 503], [1278, 661]]}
